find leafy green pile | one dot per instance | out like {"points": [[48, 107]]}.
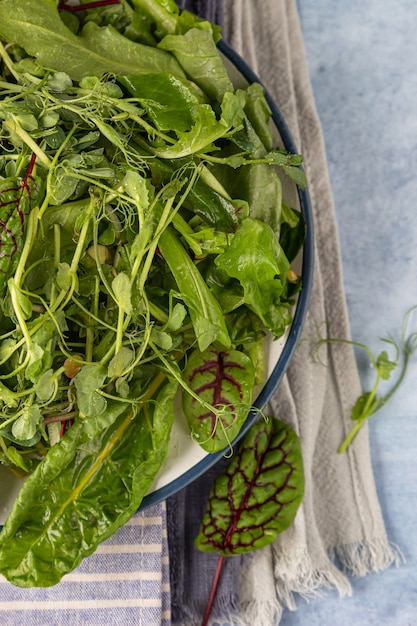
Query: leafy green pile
{"points": [[144, 247]]}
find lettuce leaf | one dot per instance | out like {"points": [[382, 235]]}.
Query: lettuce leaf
{"points": [[37, 26], [257, 261]]}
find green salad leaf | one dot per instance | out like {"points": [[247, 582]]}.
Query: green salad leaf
{"points": [[258, 494], [206, 315], [256, 260], [89, 484], [37, 27], [222, 385], [197, 53]]}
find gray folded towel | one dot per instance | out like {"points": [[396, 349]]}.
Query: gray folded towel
{"points": [[340, 516]]}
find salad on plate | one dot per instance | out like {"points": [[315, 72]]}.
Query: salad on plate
{"points": [[145, 254]]}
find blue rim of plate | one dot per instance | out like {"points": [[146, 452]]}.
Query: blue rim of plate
{"points": [[300, 312]]}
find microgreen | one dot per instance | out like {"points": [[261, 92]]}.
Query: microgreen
{"points": [[369, 402]]}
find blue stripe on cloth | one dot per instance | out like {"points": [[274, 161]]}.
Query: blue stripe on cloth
{"points": [[126, 581]]}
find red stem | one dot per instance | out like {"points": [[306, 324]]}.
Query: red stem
{"points": [[88, 5], [213, 590], [62, 417], [31, 165]]}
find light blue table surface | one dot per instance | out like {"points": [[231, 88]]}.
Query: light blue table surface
{"points": [[362, 59]]}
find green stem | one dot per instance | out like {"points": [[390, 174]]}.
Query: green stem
{"points": [[3, 446], [389, 395], [65, 295], [81, 240], [93, 315], [350, 437], [51, 167], [31, 229], [120, 328], [152, 249], [27, 139], [8, 62], [158, 313], [89, 344], [19, 315], [18, 89], [151, 130]]}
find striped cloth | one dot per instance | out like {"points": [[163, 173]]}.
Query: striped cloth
{"points": [[126, 581]]}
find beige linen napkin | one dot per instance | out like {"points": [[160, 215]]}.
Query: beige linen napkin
{"points": [[340, 515]]}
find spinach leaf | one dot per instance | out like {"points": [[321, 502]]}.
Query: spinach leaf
{"points": [[167, 100], [84, 490]]}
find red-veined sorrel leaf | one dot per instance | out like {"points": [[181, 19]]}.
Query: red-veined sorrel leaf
{"points": [[17, 196], [225, 381], [258, 494]]}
